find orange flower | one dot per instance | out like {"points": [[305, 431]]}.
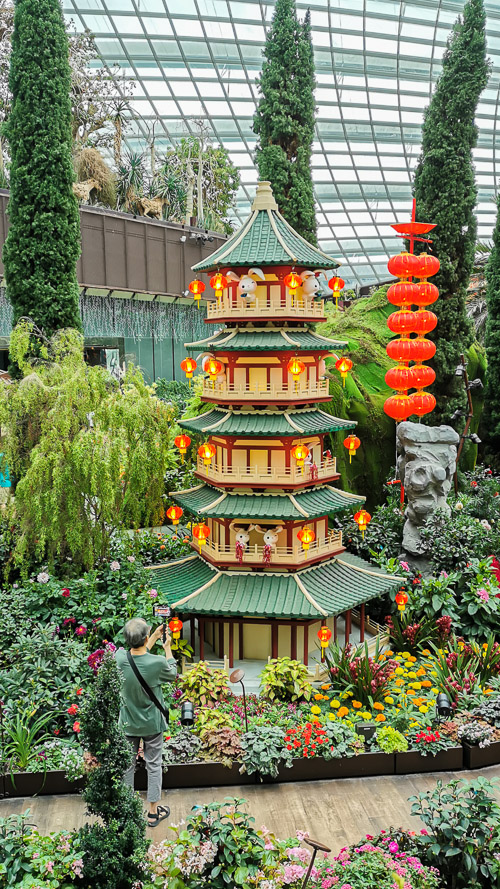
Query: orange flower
{"points": [[378, 706], [380, 717], [418, 701], [421, 672], [357, 704], [399, 682], [325, 687], [426, 652], [342, 711], [426, 683], [411, 691], [318, 697]]}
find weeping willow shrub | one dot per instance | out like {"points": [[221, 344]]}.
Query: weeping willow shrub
{"points": [[89, 454]]}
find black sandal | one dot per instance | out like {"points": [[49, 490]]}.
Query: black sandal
{"points": [[162, 812]]}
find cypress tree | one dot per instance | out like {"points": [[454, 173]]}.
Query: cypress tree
{"points": [[491, 415], [43, 243], [284, 119], [446, 194]]}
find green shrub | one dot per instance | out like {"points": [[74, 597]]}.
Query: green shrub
{"points": [[264, 750], [285, 680], [391, 741], [203, 686]]}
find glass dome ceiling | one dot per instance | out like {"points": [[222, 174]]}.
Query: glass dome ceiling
{"points": [[376, 63]]}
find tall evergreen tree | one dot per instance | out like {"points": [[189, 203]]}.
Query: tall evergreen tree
{"points": [[490, 423], [43, 243], [284, 120], [446, 194]]}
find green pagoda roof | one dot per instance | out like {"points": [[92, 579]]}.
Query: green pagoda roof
{"points": [[204, 500], [270, 340], [254, 424], [192, 586], [265, 238]]}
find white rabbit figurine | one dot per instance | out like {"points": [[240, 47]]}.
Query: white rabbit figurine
{"points": [[310, 284], [270, 535], [247, 287]]}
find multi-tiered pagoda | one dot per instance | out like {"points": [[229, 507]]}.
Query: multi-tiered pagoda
{"points": [[265, 560]]}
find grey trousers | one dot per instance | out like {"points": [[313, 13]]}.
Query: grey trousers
{"points": [[153, 747]]}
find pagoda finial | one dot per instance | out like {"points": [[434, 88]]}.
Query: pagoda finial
{"points": [[264, 198]]}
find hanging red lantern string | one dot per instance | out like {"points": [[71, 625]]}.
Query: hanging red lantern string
{"points": [[362, 519], [196, 288], [422, 376], [352, 443], [300, 453], [422, 402], [400, 378], [427, 294], [403, 294], [421, 349], [425, 321], [402, 322], [343, 365], [336, 285], [398, 407]]}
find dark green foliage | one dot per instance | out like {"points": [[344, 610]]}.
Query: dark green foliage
{"points": [[43, 243], [112, 849], [284, 120], [446, 195], [491, 418]]}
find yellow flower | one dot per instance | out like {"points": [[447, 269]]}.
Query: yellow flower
{"points": [[335, 704], [399, 671], [378, 706], [406, 654], [315, 709], [389, 700], [413, 724], [331, 716], [412, 674], [423, 709], [357, 705], [434, 691], [366, 715], [433, 673], [417, 685]]}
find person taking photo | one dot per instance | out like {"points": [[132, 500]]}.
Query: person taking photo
{"points": [[143, 714]]}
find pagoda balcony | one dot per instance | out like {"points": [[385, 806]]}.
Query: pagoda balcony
{"points": [[257, 476], [283, 556], [270, 393], [269, 307]]}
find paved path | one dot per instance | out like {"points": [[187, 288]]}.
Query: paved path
{"points": [[335, 812]]}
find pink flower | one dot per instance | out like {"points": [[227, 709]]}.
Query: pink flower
{"points": [[152, 594], [81, 630], [405, 566], [483, 594], [393, 847], [115, 566], [130, 558], [65, 593], [49, 865], [424, 832]]}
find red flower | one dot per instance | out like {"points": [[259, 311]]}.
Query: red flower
{"points": [[76, 726], [57, 731], [289, 747], [473, 484], [81, 630], [73, 710], [65, 593], [79, 691]]}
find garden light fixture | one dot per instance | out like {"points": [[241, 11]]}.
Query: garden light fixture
{"points": [[443, 705], [317, 847], [238, 676], [187, 714]]}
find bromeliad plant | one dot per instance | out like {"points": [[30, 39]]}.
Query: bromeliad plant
{"points": [[465, 668], [354, 670]]}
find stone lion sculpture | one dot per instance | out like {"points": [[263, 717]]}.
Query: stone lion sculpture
{"points": [[426, 462]]}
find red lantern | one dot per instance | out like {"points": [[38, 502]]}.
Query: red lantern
{"points": [[197, 287], [425, 321], [213, 368], [175, 627], [324, 636], [403, 265], [421, 349], [207, 452], [343, 365], [400, 378], [400, 350], [352, 444], [218, 282], [401, 600], [427, 293], [422, 403], [293, 282], [403, 293], [336, 285], [300, 453], [362, 519], [201, 532], [423, 376], [399, 407], [175, 513], [182, 442], [306, 537], [402, 322], [296, 367], [189, 365], [427, 266]]}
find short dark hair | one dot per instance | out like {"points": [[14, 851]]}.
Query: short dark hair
{"points": [[136, 632]]}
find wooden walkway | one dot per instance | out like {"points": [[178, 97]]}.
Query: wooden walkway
{"points": [[334, 812]]}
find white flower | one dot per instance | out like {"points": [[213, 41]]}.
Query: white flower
{"points": [[459, 505], [43, 577], [115, 566], [486, 525], [124, 595], [130, 558]]}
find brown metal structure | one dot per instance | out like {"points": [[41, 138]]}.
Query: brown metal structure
{"points": [[127, 255]]}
